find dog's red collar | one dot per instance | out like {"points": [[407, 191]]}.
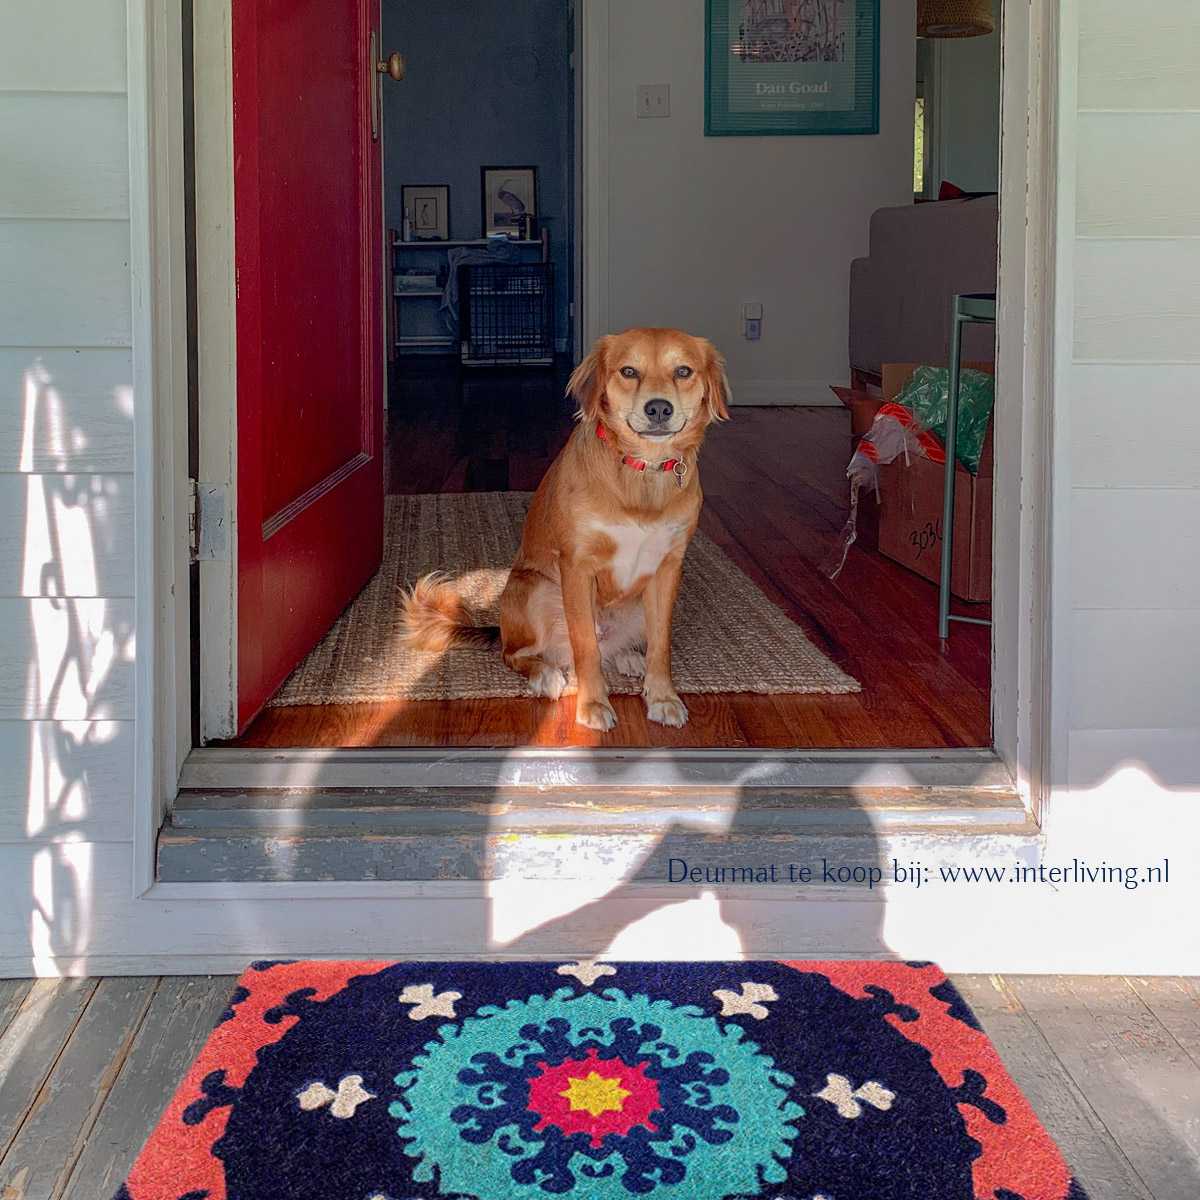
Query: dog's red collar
{"points": [[640, 464]]}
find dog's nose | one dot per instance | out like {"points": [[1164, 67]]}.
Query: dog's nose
{"points": [[659, 410]]}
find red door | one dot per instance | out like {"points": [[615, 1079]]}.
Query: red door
{"points": [[309, 246]]}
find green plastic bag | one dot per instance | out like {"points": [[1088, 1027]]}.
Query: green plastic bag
{"points": [[927, 394]]}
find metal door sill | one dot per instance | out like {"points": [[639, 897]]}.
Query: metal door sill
{"points": [[220, 769]]}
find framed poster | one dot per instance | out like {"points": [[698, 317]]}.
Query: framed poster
{"points": [[427, 206], [791, 67], [509, 196]]}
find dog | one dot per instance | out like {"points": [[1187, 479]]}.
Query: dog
{"points": [[602, 548]]}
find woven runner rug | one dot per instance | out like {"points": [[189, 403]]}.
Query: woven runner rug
{"points": [[610, 1081], [728, 636]]}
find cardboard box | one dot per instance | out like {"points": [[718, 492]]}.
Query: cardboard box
{"points": [[862, 406], [910, 519]]}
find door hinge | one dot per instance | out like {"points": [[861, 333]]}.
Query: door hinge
{"points": [[208, 522]]}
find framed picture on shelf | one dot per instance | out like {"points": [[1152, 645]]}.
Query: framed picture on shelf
{"points": [[791, 67], [509, 197], [427, 207]]}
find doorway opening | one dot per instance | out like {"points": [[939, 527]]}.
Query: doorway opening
{"points": [[821, 241]]}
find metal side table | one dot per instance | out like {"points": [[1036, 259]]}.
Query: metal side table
{"points": [[978, 308]]}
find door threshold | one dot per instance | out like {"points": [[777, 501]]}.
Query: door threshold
{"points": [[600, 835], [403, 817], [234, 769]]}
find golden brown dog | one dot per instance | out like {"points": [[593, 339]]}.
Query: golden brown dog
{"points": [[602, 548]]}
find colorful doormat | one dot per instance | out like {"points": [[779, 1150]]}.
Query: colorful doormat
{"points": [[506, 1081]]}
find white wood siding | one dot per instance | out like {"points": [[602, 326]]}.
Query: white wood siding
{"points": [[1142, 57], [63, 46], [1117, 423], [66, 461], [66, 535], [65, 780], [65, 154], [1132, 569]]}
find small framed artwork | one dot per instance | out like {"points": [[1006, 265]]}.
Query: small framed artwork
{"points": [[427, 206], [791, 67], [509, 196]]}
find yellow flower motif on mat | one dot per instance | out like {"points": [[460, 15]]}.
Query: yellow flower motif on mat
{"points": [[595, 1094]]}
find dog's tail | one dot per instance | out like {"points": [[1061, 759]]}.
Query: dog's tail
{"points": [[433, 616]]}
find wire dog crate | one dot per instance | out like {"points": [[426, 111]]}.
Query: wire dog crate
{"points": [[506, 314]]}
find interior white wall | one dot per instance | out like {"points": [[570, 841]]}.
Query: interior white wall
{"points": [[698, 225], [967, 96]]}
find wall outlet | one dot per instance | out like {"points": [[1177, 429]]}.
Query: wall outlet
{"points": [[752, 318], [654, 100]]}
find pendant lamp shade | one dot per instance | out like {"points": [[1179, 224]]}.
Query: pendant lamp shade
{"points": [[954, 18]]}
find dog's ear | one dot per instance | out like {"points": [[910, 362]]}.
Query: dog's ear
{"points": [[716, 384], [589, 380]]}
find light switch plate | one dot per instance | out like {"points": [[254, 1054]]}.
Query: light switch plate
{"points": [[654, 100]]}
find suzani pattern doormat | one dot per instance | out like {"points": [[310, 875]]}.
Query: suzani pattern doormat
{"points": [[610, 1081]]}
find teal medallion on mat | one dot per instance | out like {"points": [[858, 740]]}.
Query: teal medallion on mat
{"points": [[632, 1095]]}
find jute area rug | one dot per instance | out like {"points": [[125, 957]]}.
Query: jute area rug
{"points": [[598, 1081], [728, 637]]}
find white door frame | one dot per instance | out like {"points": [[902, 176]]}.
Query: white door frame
{"points": [[216, 352], [1024, 361], [591, 156]]}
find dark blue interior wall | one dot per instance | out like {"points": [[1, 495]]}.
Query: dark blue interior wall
{"points": [[488, 84]]}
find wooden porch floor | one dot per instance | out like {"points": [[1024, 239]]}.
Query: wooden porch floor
{"points": [[1112, 1066]]}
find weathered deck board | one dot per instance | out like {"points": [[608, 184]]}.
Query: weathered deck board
{"points": [[41, 1156], [31, 1045], [177, 1023], [12, 996], [1134, 1074], [1176, 1003], [1062, 1107]]}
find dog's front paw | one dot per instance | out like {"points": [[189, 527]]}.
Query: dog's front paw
{"points": [[595, 714], [667, 709], [547, 681]]}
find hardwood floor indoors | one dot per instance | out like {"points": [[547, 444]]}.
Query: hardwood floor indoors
{"points": [[775, 499]]}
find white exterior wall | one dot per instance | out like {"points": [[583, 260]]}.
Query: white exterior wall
{"points": [[1124, 757], [66, 462], [1126, 754], [1131, 419]]}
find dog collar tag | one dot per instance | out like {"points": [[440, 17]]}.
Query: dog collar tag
{"points": [[675, 465]]}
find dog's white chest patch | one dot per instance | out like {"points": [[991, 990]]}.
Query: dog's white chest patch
{"points": [[640, 548]]}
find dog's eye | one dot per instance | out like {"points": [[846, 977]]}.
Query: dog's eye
{"points": [[629, 372], [684, 372]]}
